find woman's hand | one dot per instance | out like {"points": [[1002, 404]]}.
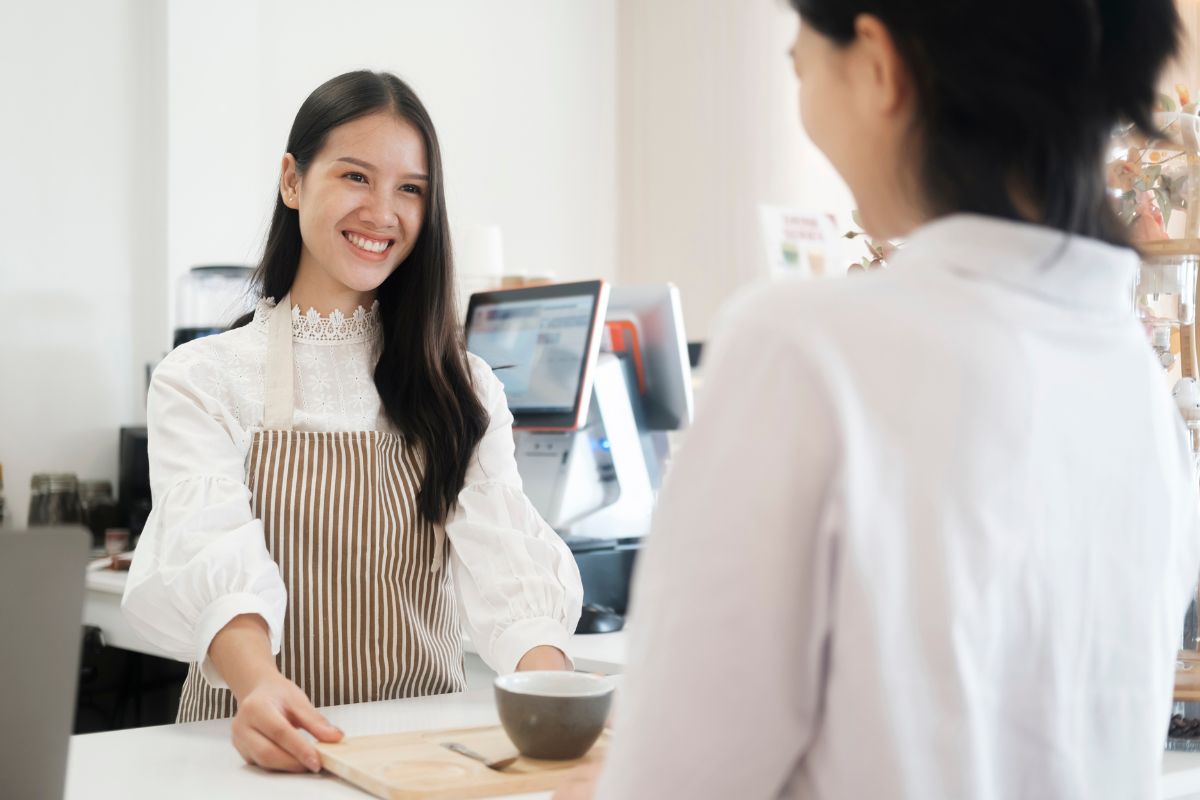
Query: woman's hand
{"points": [[266, 730], [271, 709], [543, 657]]}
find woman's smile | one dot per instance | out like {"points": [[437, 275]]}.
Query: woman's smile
{"points": [[368, 247]]}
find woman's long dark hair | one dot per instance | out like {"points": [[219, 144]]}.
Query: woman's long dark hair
{"points": [[423, 378], [1022, 93]]}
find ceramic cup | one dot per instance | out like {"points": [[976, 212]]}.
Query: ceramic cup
{"points": [[553, 714], [116, 540]]}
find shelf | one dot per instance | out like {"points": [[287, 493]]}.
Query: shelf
{"points": [[1169, 247]]}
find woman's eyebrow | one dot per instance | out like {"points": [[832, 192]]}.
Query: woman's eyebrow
{"points": [[358, 162]]}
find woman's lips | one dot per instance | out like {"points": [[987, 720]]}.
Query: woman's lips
{"points": [[368, 247]]}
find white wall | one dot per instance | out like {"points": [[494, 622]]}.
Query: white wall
{"points": [[523, 94], [82, 237], [709, 132]]}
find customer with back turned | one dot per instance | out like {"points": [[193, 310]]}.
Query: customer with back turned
{"points": [[934, 531]]}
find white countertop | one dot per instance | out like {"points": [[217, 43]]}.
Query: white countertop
{"points": [[196, 760], [1181, 776]]}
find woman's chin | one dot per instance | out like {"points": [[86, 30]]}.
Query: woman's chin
{"points": [[367, 280]]}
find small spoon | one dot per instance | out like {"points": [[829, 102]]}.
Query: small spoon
{"points": [[499, 764]]}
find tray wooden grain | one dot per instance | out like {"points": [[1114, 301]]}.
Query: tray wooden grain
{"points": [[415, 766], [1187, 676]]}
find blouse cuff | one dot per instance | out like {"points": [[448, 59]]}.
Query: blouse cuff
{"points": [[524, 635], [217, 616]]}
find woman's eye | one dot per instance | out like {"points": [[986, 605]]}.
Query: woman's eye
{"points": [[411, 188], [357, 177]]}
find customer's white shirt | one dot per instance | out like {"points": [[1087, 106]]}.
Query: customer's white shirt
{"points": [[932, 536], [202, 558]]}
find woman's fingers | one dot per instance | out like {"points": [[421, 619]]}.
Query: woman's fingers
{"points": [[257, 750], [270, 715], [304, 715], [283, 734]]}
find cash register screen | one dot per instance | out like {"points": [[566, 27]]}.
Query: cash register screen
{"points": [[541, 342]]}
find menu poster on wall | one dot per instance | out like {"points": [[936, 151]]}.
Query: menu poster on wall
{"points": [[800, 243]]}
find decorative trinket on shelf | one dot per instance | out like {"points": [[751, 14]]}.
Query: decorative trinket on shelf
{"points": [[878, 250], [1150, 179]]}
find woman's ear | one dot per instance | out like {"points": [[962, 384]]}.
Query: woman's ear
{"points": [[882, 71], [289, 182]]}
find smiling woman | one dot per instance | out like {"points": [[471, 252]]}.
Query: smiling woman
{"points": [[314, 472], [363, 161]]}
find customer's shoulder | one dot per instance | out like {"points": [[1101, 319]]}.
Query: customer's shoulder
{"points": [[796, 308]]}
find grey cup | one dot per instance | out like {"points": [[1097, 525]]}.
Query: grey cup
{"points": [[553, 715]]}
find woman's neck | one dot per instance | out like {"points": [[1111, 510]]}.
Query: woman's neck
{"points": [[312, 288]]}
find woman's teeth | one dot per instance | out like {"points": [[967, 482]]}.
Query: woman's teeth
{"points": [[368, 244]]}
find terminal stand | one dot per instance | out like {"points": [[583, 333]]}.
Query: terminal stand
{"points": [[593, 482]]}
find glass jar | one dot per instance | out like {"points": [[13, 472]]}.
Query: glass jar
{"points": [[1165, 297], [54, 499], [97, 508]]}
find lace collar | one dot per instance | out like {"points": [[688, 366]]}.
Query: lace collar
{"points": [[337, 327]]}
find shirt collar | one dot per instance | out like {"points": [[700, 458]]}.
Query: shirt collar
{"points": [[1062, 268]]}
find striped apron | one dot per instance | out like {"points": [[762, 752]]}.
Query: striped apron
{"points": [[371, 613]]}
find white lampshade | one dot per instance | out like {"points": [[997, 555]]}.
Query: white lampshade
{"points": [[479, 252]]}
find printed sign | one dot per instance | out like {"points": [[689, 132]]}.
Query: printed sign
{"points": [[800, 243]]}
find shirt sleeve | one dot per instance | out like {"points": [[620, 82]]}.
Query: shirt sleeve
{"points": [[731, 600], [517, 582], [202, 558]]}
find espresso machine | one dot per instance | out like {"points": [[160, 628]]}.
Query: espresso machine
{"points": [[209, 298]]}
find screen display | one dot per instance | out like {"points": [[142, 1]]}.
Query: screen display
{"points": [[536, 348]]}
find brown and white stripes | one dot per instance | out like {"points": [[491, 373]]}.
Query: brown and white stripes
{"points": [[371, 615]]}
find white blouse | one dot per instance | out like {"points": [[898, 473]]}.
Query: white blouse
{"points": [[202, 557], [932, 536]]}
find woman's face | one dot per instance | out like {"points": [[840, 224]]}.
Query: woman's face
{"points": [[820, 69], [361, 202], [856, 107]]}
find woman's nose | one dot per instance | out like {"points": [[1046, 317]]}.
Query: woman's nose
{"points": [[380, 210]]}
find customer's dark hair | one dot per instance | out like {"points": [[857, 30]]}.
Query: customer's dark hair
{"points": [[422, 375], [1024, 93]]}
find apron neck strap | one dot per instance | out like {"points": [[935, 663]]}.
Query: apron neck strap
{"points": [[279, 397]]}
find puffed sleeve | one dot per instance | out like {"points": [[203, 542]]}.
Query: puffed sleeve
{"points": [[202, 558], [517, 582]]}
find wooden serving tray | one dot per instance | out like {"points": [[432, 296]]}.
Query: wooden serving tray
{"points": [[415, 766], [1187, 676]]}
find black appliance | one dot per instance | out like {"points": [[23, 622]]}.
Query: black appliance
{"points": [[606, 569], [133, 479]]}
